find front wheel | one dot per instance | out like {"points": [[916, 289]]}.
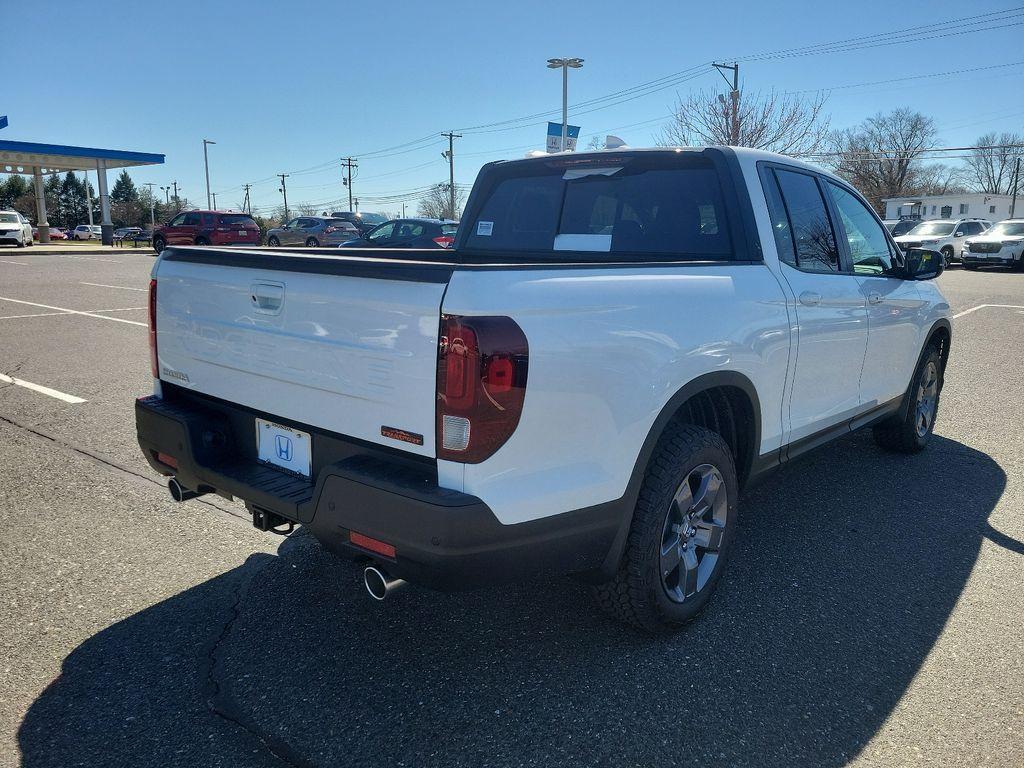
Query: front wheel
{"points": [[911, 434], [947, 257], [273, 242], [159, 244], [683, 526], [312, 242]]}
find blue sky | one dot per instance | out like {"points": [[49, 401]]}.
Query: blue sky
{"points": [[292, 87]]}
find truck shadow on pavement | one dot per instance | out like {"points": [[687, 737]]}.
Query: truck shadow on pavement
{"points": [[848, 566]]}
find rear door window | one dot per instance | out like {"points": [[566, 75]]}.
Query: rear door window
{"points": [[809, 225], [623, 205]]}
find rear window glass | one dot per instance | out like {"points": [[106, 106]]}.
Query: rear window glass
{"points": [[373, 218], [241, 219], [658, 206]]}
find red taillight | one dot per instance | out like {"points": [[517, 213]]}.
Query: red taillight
{"points": [[445, 241], [481, 385], [153, 365], [374, 545]]}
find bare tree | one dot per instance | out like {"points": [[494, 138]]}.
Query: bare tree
{"points": [[437, 204], [306, 209], [939, 179], [787, 123], [991, 170], [881, 155]]}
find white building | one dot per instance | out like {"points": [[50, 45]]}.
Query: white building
{"points": [[973, 205]]}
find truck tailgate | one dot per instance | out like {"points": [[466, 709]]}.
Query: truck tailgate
{"points": [[342, 343]]}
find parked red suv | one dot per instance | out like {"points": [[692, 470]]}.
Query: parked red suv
{"points": [[207, 228]]}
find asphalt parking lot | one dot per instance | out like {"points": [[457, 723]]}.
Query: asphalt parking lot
{"points": [[873, 613]]}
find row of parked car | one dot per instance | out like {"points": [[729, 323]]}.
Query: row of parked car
{"points": [[972, 242], [341, 228]]}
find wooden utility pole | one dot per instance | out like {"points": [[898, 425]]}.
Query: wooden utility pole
{"points": [[284, 191], [734, 97], [1016, 179], [351, 163], [450, 154]]}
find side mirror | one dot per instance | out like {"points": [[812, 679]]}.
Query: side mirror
{"points": [[924, 264]]}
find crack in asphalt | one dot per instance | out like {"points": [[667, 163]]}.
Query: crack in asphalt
{"points": [[216, 691]]}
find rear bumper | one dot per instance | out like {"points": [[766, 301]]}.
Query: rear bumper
{"points": [[443, 538]]}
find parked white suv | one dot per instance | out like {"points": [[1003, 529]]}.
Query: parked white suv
{"points": [[1002, 245], [87, 232], [617, 344], [15, 229], [946, 236]]}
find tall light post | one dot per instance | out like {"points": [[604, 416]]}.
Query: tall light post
{"points": [[167, 196], [564, 64], [206, 163]]}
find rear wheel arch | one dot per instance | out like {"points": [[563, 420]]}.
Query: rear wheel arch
{"points": [[721, 401]]}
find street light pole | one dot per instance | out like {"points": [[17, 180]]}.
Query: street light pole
{"points": [[206, 164], [565, 64], [152, 206]]}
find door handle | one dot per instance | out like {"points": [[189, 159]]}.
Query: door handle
{"points": [[874, 298], [267, 297], [810, 298]]}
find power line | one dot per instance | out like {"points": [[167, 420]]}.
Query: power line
{"points": [[960, 26]]}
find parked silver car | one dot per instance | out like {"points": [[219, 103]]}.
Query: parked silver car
{"points": [[312, 231]]}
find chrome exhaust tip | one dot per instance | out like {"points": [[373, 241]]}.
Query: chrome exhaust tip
{"points": [[179, 492], [379, 582]]}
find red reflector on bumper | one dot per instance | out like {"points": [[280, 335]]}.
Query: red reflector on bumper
{"points": [[170, 461], [374, 545]]}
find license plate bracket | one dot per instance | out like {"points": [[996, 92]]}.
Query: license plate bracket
{"points": [[283, 447]]}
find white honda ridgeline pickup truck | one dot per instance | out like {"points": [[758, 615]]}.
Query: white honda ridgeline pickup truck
{"points": [[618, 343]]}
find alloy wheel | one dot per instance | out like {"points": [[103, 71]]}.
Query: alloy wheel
{"points": [[927, 399], [692, 535]]}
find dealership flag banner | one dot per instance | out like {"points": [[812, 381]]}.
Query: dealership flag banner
{"points": [[555, 137]]}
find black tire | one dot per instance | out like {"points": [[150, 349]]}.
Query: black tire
{"points": [[273, 242], [20, 243], [159, 244], [640, 594], [910, 434], [202, 241], [947, 257], [312, 242]]}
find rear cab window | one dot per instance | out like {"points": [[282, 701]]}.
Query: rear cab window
{"points": [[655, 206]]}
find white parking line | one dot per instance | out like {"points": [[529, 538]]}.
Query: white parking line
{"points": [[983, 306], [18, 263], [74, 311], [41, 389], [122, 287]]}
